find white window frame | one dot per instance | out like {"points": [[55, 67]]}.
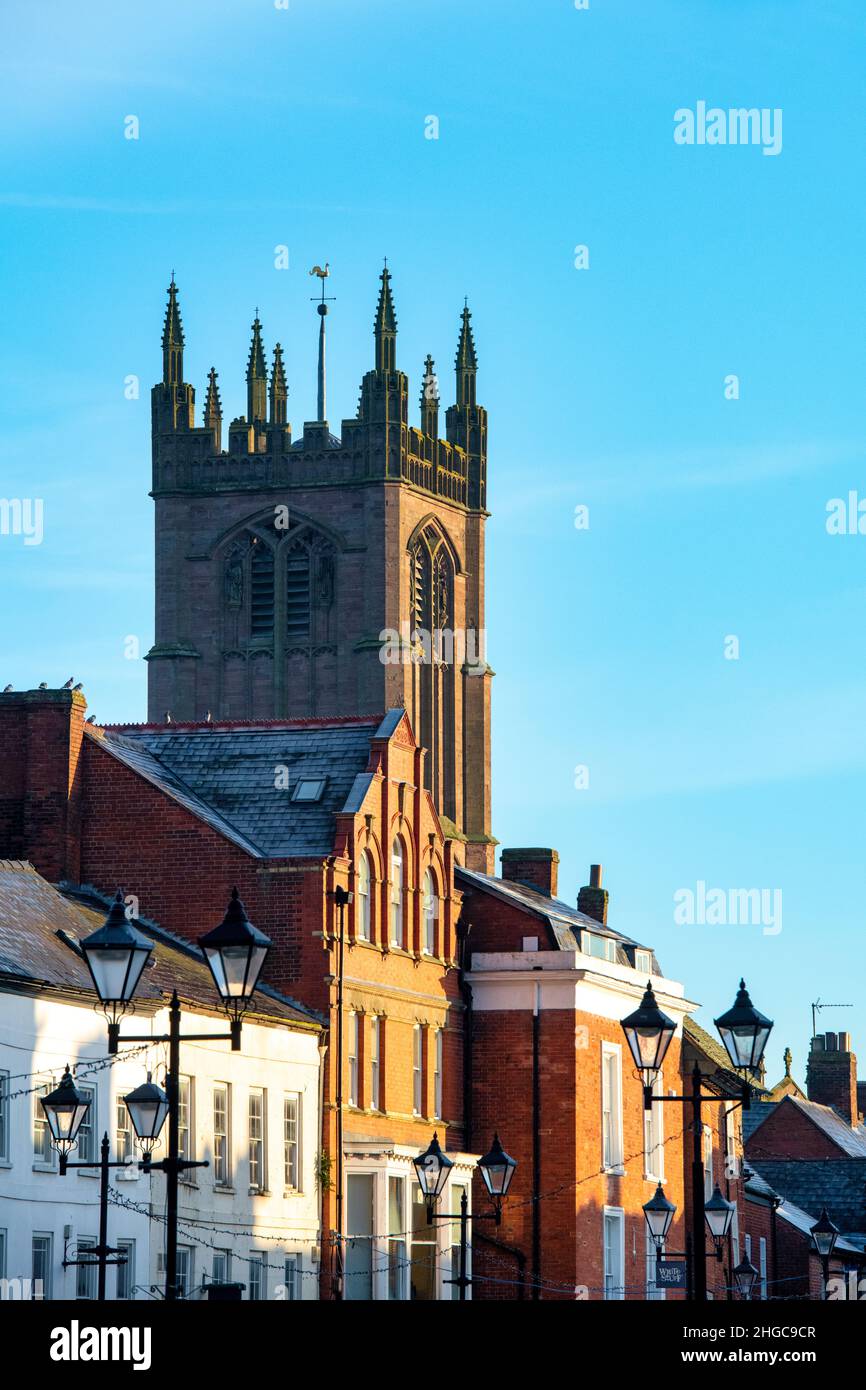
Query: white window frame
{"points": [[417, 1069], [225, 1256], [260, 1183], [292, 1276], [364, 924], [397, 915], [47, 1282], [222, 1162], [352, 1051], [185, 1277], [654, 1136], [611, 1216], [88, 1133], [42, 1161], [124, 1135], [292, 1145], [611, 1131], [732, 1157], [376, 1025], [762, 1265], [428, 914], [259, 1262], [438, 1053], [185, 1122], [707, 1155], [643, 964]]}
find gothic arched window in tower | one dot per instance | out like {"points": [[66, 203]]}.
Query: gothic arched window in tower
{"points": [[431, 580]]}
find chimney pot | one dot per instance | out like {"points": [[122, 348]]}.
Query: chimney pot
{"points": [[535, 868], [592, 899]]}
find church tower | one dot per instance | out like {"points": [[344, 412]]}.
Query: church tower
{"points": [[329, 575]]}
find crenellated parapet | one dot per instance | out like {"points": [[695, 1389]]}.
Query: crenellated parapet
{"points": [[378, 443]]}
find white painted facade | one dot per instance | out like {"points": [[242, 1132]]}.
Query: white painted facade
{"points": [[263, 1234], [521, 980]]}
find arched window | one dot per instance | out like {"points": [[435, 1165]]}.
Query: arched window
{"points": [[397, 893], [364, 897], [428, 910]]}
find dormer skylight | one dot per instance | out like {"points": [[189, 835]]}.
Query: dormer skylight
{"points": [[309, 789]]}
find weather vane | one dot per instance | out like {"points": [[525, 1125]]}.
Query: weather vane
{"points": [[322, 309]]}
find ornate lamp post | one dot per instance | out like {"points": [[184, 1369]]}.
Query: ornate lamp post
{"points": [[432, 1168], [65, 1109], [116, 955], [744, 1032]]}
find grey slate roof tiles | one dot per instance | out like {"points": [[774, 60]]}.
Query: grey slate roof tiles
{"points": [[228, 777], [566, 922]]}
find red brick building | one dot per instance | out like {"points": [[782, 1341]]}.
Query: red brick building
{"points": [[804, 1155], [289, 812], [547, 987]]}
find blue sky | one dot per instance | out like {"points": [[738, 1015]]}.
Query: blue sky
{"points": [[605, 388]]}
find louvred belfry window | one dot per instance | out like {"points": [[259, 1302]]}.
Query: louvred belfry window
{"points": [[262, 590], [298, 593]]}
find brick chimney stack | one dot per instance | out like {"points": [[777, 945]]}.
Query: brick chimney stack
{"points": [[831, 1075], [536, 868], [592, 899], [41, 733]]}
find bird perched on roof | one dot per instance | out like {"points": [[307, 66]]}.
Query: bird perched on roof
{"points": [[6, 689], [91, 719], [43, 685], [79, 686], [68, 685]]}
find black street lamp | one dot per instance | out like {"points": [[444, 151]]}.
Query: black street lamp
{"points": [[744, 1032], [432, 1168], [718, 1214], [65, 1110], [116, 955], [497, 1170], [148, 1110], [824, 1236], [648, 1033], [745, 1275], [659, 1213]]}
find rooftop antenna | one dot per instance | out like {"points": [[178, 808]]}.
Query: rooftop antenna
{"points": [[816, 1009], [322, 309]]}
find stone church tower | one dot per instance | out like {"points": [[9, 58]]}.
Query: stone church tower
{"points": [[328, 576]]}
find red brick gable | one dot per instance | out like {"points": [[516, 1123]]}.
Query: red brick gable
{"points": [[790, 1132]]}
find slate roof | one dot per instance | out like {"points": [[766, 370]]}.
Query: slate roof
{"points": [[225, 774], [851, 1140], [839, 1184], [33, 911], [564, 921], [757, 1185]]}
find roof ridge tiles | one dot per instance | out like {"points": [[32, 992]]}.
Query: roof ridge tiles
{"points": [[246, 725]]}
